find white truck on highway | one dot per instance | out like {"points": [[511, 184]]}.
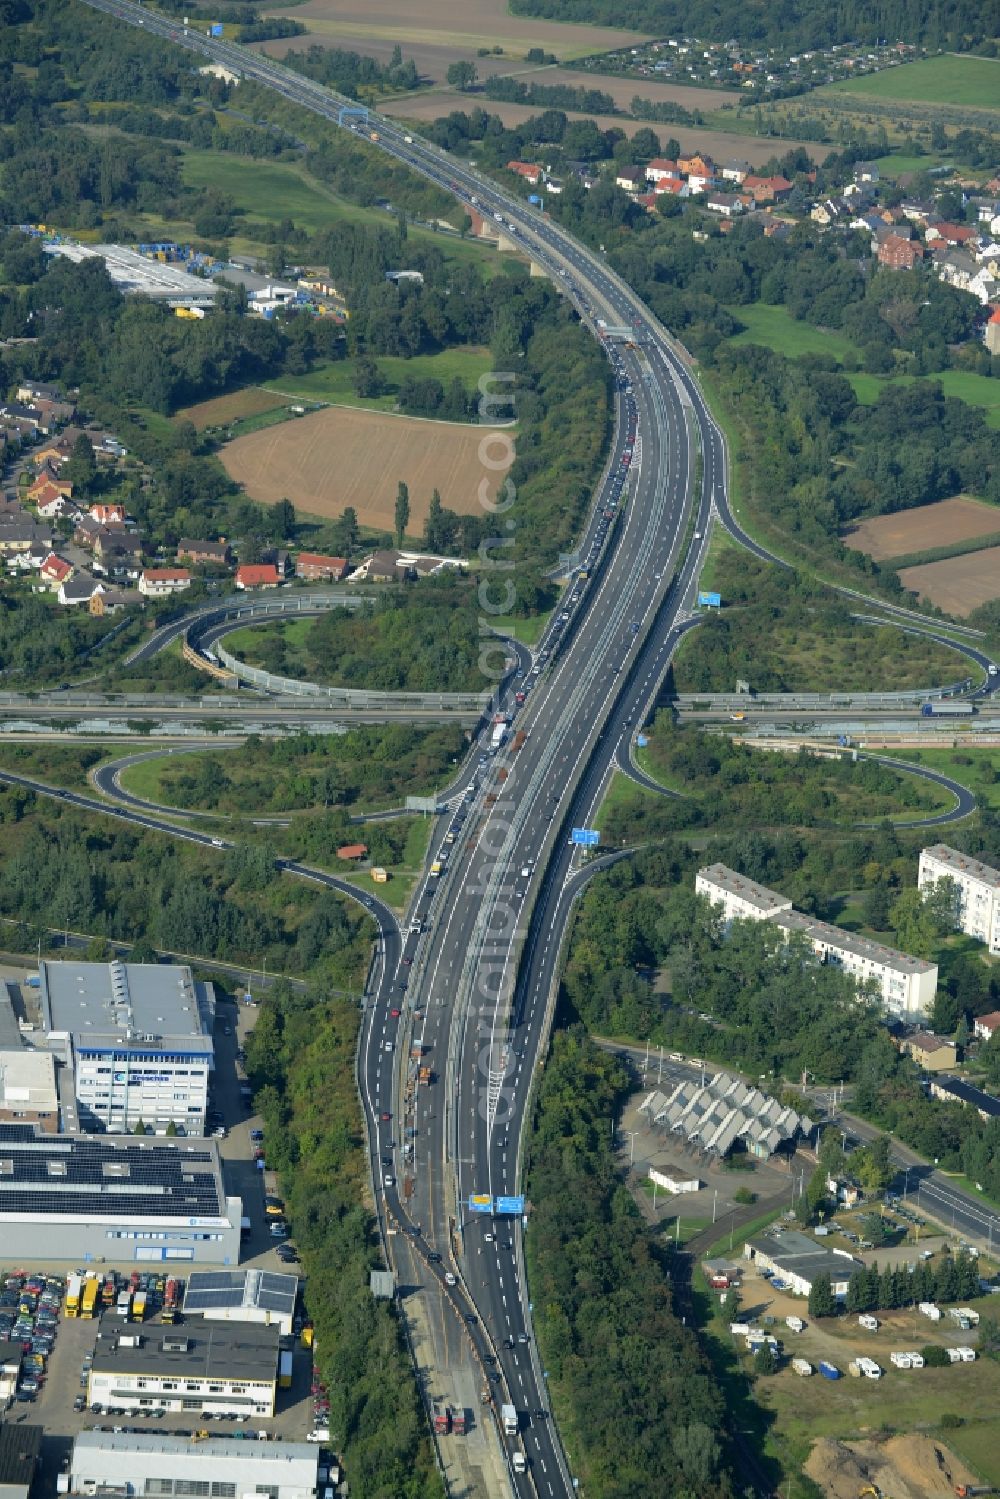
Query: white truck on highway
{"points": [[508, 1418]]}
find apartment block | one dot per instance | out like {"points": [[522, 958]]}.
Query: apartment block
{"points": [[977, 890], [741, 899]]}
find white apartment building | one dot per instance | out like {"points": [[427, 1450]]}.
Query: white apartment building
{"points": [[907, 985], [138, 1038], [977, 890], [741, 899]]}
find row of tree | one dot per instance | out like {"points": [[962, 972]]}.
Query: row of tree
{"points": [[952, 1278]]}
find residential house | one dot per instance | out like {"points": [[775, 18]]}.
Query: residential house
{"points": [[918, 210], [989, 217], [160, 582], [899, 254], [951, 234], [79, 589], [258, 575], [205, 553], [828, 211], [932, 1053], [866, 171], [35, 390], [29, 559], [55, 570], [529, 170], [28, 416], [985, 1027], [730, 205], [87, 531], [673, 185], [51, 499], [108, 515], [647, 201], [53, 414], [991, 334], [22, 535], [630, 179], [282, 560], [696, 166], [660, 168], [777, 229], [110, 601], [766, 189], [316, 568], [735, 171], [118, 552]]}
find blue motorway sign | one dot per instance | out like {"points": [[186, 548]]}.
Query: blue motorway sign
{"points": [[710, 600], [641, 740], [480, 1202], [586, 837], [216, 28], [512, 1205]]}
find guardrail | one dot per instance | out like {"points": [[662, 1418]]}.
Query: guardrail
{"points": [[349, 697], [734, 702]]}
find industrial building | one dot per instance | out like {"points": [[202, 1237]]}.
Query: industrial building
{"points": [[166, 1466], [799, 1261], [907, 985], [93, 1197], [720, 1112], [954, 1090], [138, 1040], [137, 273], [200, 1369], [20, 1448], [243, 1296], [976, 886]]}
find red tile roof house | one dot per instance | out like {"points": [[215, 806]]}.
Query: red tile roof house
{"points": [[899, 254], [953, 234], [986, 1026], [55, 570], [529, 170], [108, 515], [317, 568], [352, 851], [159, 582], [258, 575], [660, 167]]}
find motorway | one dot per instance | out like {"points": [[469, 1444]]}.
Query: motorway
{"points": [[473, 983]]}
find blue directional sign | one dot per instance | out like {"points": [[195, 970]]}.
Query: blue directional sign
{"points": [[216, 28], [586, 837], [710, 600], [641, 740], [512, 1205], [480, 1202]]}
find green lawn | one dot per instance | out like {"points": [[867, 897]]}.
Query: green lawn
{"points": [[272, 190], [334, 382], [775, 328], [967, 81], [897, 162], [976, 390], [979, 769]]}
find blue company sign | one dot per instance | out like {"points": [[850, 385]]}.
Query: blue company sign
{"points": [[480, 1202], [512, 1205], [586, 837], [710, 600]]}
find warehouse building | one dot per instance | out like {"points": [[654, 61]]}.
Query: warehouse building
{"points": [[20, 1448], [799, 1261], [243, 1296], [165, 1467], [138, 1039], [976, 886], [201, 1369], [906, 985], [28, 1090], [85, 1197], [723, 1111]]}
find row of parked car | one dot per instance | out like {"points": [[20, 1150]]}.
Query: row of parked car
{"points": [[30, 1306]]}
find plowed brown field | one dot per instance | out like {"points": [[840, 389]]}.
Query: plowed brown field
{"points": [[340, 456], [959, 584], [924, 528]]}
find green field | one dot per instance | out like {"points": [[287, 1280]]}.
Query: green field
{"points": [[979, 769], [334, 382], [967, 81], [776, 329], [976, 390]]}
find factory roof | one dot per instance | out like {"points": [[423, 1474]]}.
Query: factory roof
{"points": [[799, 1255], [161, 1444], [225, 1290], [198, 1350], [134, 1005], [28, 1080], [133, 272], [19, 1450], [108, 1176]]}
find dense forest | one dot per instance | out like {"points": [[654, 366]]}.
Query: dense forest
{"points": [[300, 1060], [62, 870], [793, 24], [636, 1398]]}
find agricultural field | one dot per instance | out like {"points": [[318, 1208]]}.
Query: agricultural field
{"points": [[958, 584], [333, 382], [624, 90], [950, 79], [775, 328], [330, 459], [437, 33], [236, 406], [924, 528], [721, 144]]}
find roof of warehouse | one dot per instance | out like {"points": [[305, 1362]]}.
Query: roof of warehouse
{"points": [[223, 1290], [19, 1449], [215, 1350]]}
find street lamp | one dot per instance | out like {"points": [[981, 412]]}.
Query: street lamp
{"points": [[631, 1147], [906, 1182]]}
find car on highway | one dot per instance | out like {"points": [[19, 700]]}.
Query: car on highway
{"points": [[388, 1180], [449, 1279], [386, 1116], [394, 1012], [487, 1238]]}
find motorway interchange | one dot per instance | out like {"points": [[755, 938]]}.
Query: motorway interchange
{"points": [[471, 979]]}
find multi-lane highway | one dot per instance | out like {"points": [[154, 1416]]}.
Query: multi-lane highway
{"points": [[470, 984]]}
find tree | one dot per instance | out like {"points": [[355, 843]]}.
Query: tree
{"points": [[369, 382], [171, 1129], [934, 1356], [140, 1127], [81, 468], [822, 1302], [283, 516], [872, 1166], [432, 529], [461, 75], [764, 1361], [348, 530], [402, 512]]}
